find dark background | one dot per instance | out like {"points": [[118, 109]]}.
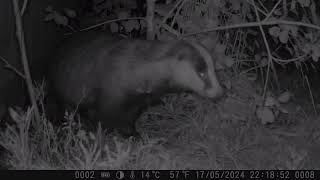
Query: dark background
{"points": [[41, 38]]}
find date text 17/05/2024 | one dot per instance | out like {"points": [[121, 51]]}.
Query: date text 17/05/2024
{"points": [[199, 174]]}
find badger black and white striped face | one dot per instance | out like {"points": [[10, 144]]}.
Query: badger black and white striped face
{"points": [[195, 71]]}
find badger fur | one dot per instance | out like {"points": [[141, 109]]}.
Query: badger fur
{"points": [[118, 78]]}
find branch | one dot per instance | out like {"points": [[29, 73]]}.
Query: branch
{"points": [[286, 61], [170, 29], [24, 59], [311, 96], [262, 5], [314, 15], [272, 10], [260, 10], [220, 28], [171, 11], [255, 24], [9, 66], [23, 9], [270, 63], [150, 19], [285, 8], [178, 11], [110, 21]]}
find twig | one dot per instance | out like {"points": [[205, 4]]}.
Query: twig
{"points": [[255, 24], [285, 61], [262, 5], [314, 14], [221, 28], [150, 19], [285, 8], [272, 10], [270, 59], [110, 21], [78, 104], [71, 28], [311, 96], [164, 20], [24, 59], [9, 66], [23, 9], [250, 69], [178, 10], [170, 29], [259, 9]]}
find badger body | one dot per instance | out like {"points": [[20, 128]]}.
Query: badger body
{"points": [[118, 78]]}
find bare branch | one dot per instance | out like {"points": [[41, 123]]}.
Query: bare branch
{"points": [[255, 24], [270, 58], [9, 66], [259, 9], [150, 19], [23, 9], [272, 10], [111, 21], [24, 59]]}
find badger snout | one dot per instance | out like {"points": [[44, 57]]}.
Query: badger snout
{"points": [[214, 92], [219, 92]]}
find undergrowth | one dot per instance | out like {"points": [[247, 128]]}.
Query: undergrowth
{"points": [[185, 132]]}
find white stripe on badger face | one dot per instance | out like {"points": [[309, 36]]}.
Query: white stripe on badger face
{"points": [[215, 89], [184, 75]]}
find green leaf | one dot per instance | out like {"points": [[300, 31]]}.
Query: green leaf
{"points": [[307, 48], [274, 31], [227, 84], [49, 17], [220, 48], [290, 28], [284, 36], [315, 52], [70, 13], [285, 97], [14, 115], [61, 20], [264, 62], [229, 61], [271, 101], [265, 114]]}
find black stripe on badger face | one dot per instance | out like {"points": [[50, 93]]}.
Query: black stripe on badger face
{"points": [[194, 70], [202, 70]]}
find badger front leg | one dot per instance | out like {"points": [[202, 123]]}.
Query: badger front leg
{"points": [[118, 114]]}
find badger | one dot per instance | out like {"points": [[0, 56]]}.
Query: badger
{"points": [[118, 78]]}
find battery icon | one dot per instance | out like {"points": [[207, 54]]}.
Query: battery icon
{"points": [[119, 174]]}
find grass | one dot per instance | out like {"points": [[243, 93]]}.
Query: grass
{"points": [[186, 132]]}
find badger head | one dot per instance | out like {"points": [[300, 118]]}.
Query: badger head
{"points": [[193, 69]]}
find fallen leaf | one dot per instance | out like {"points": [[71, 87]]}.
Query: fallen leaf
{"points": [[285, 97], [265, 114]]}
